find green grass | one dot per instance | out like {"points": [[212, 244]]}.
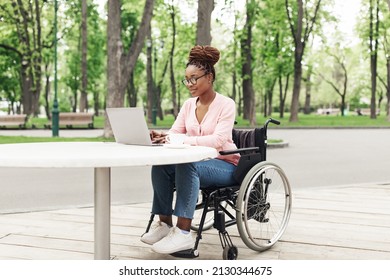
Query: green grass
{"points": [[337, 121], [312, 120], [305, 121], [28, 139]]}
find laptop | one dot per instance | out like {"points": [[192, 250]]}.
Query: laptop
{"points": [[129, 126]]}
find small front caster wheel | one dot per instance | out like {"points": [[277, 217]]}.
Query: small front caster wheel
{"points": [[230, 253]]}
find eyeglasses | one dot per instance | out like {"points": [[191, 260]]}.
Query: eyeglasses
{"points": [[192, 81]]}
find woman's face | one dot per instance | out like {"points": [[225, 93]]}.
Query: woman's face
{"points": [[197, 82]]}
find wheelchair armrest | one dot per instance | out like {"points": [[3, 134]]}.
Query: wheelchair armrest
{"points": [[239, 151]]}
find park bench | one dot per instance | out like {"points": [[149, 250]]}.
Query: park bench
{"points": [[69, 119], [13, 120], [329, 111], [366, 112]]}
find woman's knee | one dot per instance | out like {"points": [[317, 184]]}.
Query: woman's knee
{"points": [[162, 173]]}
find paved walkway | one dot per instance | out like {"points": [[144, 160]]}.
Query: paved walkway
{"points": [[351, 221], [336, 223]]}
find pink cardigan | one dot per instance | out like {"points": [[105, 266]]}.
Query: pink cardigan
{"points": [[215, 130]]}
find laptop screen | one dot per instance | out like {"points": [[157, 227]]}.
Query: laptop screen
{"points": [[129, 126]]}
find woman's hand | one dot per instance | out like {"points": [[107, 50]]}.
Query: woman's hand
{"points": [[157, 137]]}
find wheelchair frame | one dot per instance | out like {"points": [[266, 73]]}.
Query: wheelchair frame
{"points": [[261, 202]]}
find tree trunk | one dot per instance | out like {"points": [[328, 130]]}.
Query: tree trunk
{"points": [[281, 104], [129, 60], [132, 92], [26, 83], [96, 102], [373, 55], [120, 65], [149, 76], [84, 50], [171, 70], [300, 37], [158, 91], [247, 85], [306, 109], [114, 54], [298, 54], [47, 91], [269, 93], [203, 26], [388, 87], [28, 26], [234, 74], [388, 80], [283, 94], [37, 57]]}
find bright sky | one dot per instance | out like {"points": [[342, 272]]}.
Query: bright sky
{"points": [[347, 11]]}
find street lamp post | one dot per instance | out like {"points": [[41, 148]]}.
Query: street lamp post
{"points": [[55, 111]]}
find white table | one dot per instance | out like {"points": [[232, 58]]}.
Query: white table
{"points": [[101, 156]]}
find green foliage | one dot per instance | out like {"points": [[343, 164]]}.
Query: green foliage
{"points": [[9, 76], [272, 43], [70, 82]]}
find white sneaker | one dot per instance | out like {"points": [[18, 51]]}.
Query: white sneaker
{"points": [[157, 232], [175, 241]]}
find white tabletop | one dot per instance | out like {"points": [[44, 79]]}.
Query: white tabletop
{"points": [[96, 154]]}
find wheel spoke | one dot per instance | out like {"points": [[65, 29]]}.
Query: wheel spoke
{"points": [[264, 204]]}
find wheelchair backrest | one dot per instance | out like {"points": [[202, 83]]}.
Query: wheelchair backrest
{"points": [[250, 138], [247, 139]]}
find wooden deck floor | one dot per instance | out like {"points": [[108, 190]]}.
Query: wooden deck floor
{"points": [[334, 223]]}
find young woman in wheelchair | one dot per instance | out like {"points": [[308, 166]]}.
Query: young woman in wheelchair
{"points": [[207, 119]]}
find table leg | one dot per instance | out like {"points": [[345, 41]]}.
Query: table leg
{"points": [[102, 213]]}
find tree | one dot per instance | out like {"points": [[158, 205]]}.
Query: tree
{"points": [[308, 82], [388, 71], [383, 35], [340, 77], [9, 80], [129, 22], [171, 66], [247, 73], [24, 18], [301, 25], [96, 57], [373, 48], [276, 53], [74, 74], [84, 51], [120, 64], [203, 27], [149, 75]]}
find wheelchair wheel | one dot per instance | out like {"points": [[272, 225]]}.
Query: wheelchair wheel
{"points": [[263, 206], [230, 253]]}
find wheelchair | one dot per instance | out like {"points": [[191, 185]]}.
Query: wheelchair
{"points": [[260, 205]]}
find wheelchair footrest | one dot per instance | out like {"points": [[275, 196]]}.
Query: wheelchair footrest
{"points": [[187, 254]]}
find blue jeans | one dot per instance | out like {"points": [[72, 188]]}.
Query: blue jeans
{"points": [[187, 178]]}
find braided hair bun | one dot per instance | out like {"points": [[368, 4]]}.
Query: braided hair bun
{"points": [[205, 54], [204, 57]]}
